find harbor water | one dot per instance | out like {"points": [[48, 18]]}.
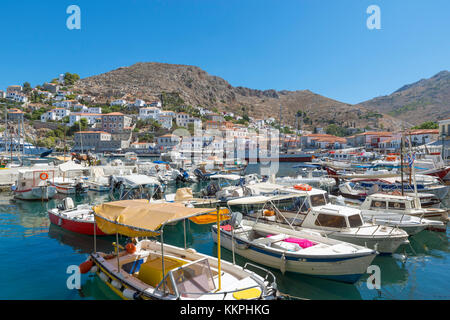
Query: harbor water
{"points": [[35, 257]]}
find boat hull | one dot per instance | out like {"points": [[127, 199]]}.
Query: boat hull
{"points": [[38, 193], [344, 269], [83, 227]]}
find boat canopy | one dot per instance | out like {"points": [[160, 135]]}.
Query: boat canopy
{"points": [[70, 166], [137, 180], [226, 176], [139, 218]]}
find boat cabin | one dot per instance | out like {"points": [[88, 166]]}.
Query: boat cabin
{"points": [[388, 202]]}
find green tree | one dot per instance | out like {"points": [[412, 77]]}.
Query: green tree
{"points": [[427, 125], [70, 78], [26, 87]]}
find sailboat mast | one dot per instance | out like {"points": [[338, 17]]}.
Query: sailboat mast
{"points": [[401, 161]]}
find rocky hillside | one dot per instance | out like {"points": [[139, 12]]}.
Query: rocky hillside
{"points": [[193, 86], [424, 100]]}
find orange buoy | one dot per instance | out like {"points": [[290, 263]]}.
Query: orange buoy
{"points": [[86, 266], [131, 248], [167, 167], [303, 187], [269, 213], [43, 176]]}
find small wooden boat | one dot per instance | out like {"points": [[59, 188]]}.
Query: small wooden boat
{"points": [[151, 270], [78, 219]]}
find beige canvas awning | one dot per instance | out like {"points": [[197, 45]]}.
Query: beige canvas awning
{"points": [[139, 218]]}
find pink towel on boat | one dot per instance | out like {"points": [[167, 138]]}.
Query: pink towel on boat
{"points": [[303, 243]]}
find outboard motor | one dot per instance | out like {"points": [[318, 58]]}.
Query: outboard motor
{"points": [[79, 187], [199, 174], [211, 190]]}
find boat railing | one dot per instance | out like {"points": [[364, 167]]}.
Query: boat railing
{"points": [[170, 277]]}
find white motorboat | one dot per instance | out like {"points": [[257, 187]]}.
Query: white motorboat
{"points": [[386, 204], [312, 210], [298, 251], [34, 184]]}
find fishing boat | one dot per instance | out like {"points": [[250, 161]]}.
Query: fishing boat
{"points": [[98, 181], [312, 210], [34, 184], [79, 219], [296, 251], [134, 186], [151, 270], [70, 181]]}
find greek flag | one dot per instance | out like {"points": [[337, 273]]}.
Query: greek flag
{"points": [[411, 158]]}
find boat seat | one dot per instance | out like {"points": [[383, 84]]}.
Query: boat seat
{"points": [[133, 267], [151, 271]]}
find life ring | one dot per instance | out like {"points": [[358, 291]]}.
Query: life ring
{"points": [[43, 176], [303, 187]]}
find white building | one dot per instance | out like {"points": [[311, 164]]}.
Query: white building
{"points": [[80, 107], [444, 128], [149, 113], [17, 97], [183, 120], [119, 102], [91, 118], [2, 94], [60, 113], [165, 121], [49, 115], [97, 110], [139, 103]]}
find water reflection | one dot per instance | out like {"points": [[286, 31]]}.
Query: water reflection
{"points": [[81, 243]]}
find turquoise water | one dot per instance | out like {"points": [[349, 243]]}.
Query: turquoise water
{"points": [[35, 255]]}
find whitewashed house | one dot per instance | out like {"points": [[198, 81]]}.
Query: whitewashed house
{"points": [[149, 113], [165, 121], [97, 110], [91, 118], [119, 102]]}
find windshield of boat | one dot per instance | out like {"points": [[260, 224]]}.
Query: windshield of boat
{"points": [[330, 220], [194, 279], [319, 199], [355, 221]]}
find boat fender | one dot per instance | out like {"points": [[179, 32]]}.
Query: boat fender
{"points": [[269, 213], [283, 264], [191, 250], [131, 248], [86, 266], [116, 284], [94, 269], [129, 294], [103, 276]]}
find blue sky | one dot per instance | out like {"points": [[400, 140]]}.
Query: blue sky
{"points": [[323, 46]]}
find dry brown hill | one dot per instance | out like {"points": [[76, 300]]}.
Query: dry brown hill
{"points": [[424, 100], [196, 87]]}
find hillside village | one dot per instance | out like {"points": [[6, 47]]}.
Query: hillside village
{"points": [[54, 115]]}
